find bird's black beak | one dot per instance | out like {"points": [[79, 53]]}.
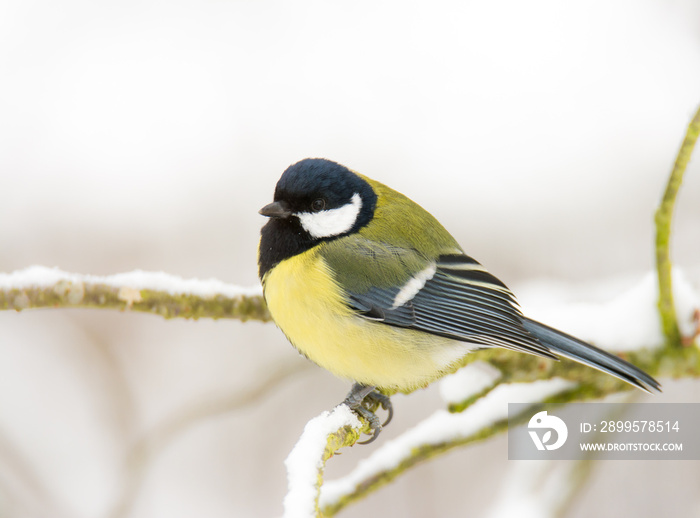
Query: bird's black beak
{"points": [[276, 209]]}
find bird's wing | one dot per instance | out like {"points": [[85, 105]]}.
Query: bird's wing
{"points": [[453, 297]]}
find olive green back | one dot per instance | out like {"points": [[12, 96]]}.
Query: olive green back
{"points": [[401, 240]]}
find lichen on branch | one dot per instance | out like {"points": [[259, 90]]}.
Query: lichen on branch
{"points": [[663, 218], [151, 292]]}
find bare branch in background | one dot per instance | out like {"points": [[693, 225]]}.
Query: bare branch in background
{"points": [[663, 217], [146, 450]]}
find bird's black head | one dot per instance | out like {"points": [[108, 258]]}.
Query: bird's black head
{"points": [[315, 200]]}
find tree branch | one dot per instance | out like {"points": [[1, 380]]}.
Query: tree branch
{"points": [[436, 435], [552, 382], [151, 292], [663, 218], [322, 438]]}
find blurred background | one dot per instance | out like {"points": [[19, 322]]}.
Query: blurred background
{"points": [[147, 134]]}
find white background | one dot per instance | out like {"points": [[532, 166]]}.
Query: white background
{"points": [[146, 134]]}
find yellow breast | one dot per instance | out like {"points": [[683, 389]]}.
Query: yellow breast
{"points": [[310, 308]]}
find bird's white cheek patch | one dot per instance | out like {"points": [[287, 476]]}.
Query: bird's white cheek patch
{"points": [[333, 222]]}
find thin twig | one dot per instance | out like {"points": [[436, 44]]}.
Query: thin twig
{"points": [[663, 219]]}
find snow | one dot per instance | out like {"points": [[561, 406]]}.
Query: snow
{"points": [[42, 277], [468, 381], [306, 459], [442, 427], [627, 322]]}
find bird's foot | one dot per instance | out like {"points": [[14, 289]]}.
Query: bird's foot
{"points": [[364, 400]]}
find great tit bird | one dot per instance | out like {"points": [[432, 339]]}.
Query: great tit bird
{"points": [[367, 284]]}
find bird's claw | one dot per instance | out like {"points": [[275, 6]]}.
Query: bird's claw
{"points": [[364, 401], [377, 399], [374, 425]]}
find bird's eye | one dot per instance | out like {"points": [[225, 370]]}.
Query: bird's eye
{"points": [[318, 205]]}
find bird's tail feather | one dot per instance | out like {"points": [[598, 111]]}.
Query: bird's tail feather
{"points": [[578, 350]]}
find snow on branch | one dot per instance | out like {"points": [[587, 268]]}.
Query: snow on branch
{"points": [[152, 292], [436, 434], [322, 437]]}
